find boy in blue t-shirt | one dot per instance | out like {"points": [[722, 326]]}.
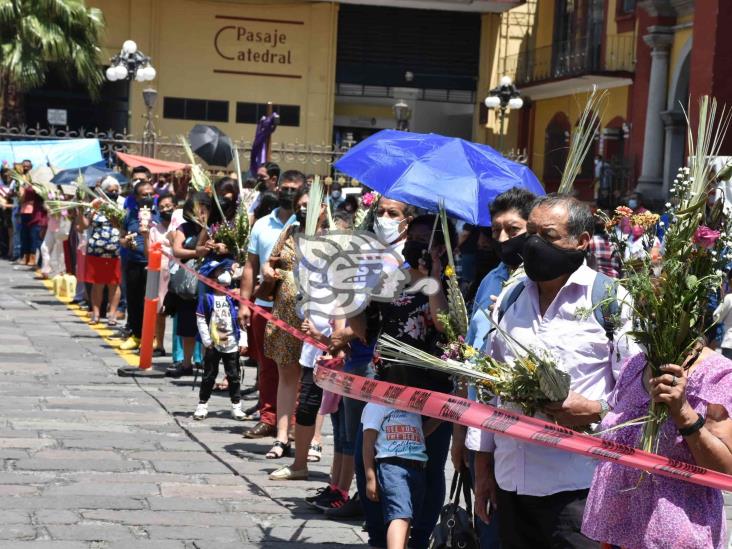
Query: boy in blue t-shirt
{"points": [[395, 459]]}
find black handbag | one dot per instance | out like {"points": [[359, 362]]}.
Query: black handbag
{"points": [[455, 528]]}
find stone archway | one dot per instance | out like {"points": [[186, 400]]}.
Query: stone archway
{"points": [[673, 118]]}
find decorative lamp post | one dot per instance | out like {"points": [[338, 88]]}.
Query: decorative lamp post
{"points": [[402, 114], [130, 63], [503, 97]]}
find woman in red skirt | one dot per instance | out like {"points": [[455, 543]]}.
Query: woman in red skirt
{"points": [[102, 265]]}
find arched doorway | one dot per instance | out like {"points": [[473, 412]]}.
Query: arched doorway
{"points": [[556, 142]]}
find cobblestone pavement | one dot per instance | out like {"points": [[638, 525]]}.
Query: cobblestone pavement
{"points": [[92, 460]]}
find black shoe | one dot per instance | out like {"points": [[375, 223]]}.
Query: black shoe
{"points": [[319, 493], [158, 353], [350, 510], [250, 390], [178, 371], [333, 500]]}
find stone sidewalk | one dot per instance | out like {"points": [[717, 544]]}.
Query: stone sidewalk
{"points": [[92, 460]]}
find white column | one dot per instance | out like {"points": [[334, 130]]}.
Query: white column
{"points": [[651, 179]]}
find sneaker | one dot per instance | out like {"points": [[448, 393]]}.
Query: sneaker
{"points": [[131, 344], [201, 411], [350, 510], [319, 493], [334, 500], [237, 413]]}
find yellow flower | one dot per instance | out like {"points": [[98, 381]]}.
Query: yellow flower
{"points": [[469, 352], [449, 271]]}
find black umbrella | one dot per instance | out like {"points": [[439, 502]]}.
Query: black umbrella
{"points": [[211, 144]]}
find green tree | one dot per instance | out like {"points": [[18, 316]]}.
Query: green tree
{"points": [[38, 34]]}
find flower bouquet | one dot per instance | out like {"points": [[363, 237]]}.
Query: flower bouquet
{"points": [[531, 381], [670, 294], [624, 224], [455, 320]]}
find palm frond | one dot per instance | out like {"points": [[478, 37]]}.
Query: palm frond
{"points": [[315, 201], [199, 178], [582, 138], [710, 134]]}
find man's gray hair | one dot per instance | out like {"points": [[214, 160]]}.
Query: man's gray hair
{"points": [[580, 219], [107, 182]]}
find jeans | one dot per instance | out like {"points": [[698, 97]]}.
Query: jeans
{"points": [[341, 444], [211, 369], [353, 408], [30, 235], [16, 233], [401, 491], [438, 447]]}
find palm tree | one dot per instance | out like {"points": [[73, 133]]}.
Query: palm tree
{"points": [[37, 34]]}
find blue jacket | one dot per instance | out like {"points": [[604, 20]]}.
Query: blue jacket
{"points": [[205, 307]]}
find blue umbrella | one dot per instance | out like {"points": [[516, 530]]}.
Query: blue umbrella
{"points": [[92, 174], [424, 169]]}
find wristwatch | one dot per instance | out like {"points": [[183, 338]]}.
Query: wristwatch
{"points": [[604, 408]]}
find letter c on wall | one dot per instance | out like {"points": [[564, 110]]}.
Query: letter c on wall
{"points": [[216, 42]]}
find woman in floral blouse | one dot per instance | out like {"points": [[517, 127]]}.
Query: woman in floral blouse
{"points": [[102, 256]]}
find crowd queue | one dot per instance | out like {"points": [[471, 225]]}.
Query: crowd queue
{"points": [[526, 496]]}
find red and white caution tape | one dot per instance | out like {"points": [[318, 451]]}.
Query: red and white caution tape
{"points": [[482, 416]]}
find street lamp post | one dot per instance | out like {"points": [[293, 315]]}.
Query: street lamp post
{"points": [[131, 63], [402, 114], [149, 95], [503, 97]]}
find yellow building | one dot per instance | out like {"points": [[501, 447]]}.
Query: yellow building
{"points": [[640, 52], [333, 69]]}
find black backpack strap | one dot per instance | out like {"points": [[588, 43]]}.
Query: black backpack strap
{"points": [[510, 299], [604, 287]]}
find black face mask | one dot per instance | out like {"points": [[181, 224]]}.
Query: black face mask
{"points": [[544, 261], [285, 198], [301, 215], [511, 251], [113, 196], [414, 251], [166, 216], [146, 202]]}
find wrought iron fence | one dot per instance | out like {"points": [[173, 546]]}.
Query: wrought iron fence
{"points": [[309, 158], [572, 58]]}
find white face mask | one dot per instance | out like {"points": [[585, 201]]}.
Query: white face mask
{"points": [[224, 279], [387, 229]]}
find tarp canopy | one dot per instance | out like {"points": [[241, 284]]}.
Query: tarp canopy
{"points": [[152, 164], [62, 154]]}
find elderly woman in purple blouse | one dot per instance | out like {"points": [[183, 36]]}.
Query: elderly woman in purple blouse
{"points": [[631, 512]]}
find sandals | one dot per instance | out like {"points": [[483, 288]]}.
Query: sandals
{"points": [[279, 450], [315, 452]]}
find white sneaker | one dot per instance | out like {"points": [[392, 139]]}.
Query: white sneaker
{"points": [[237, 413], [201, 411]]}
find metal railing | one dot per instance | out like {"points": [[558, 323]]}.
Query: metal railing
{"points": [[572, 58], [316, 158]]}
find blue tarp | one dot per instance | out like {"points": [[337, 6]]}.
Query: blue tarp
{"points": [[63, 154]]}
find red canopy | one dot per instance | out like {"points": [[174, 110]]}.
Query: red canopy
{"points": [[152, 164]]}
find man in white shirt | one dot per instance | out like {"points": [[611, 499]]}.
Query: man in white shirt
{"points": [[541, 491]]}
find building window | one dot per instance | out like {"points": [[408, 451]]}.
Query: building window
{"points": [[251, 113], [180, 108], [626, 6]]}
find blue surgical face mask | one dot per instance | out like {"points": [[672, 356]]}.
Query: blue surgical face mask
{"points": [[632, 203]]}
